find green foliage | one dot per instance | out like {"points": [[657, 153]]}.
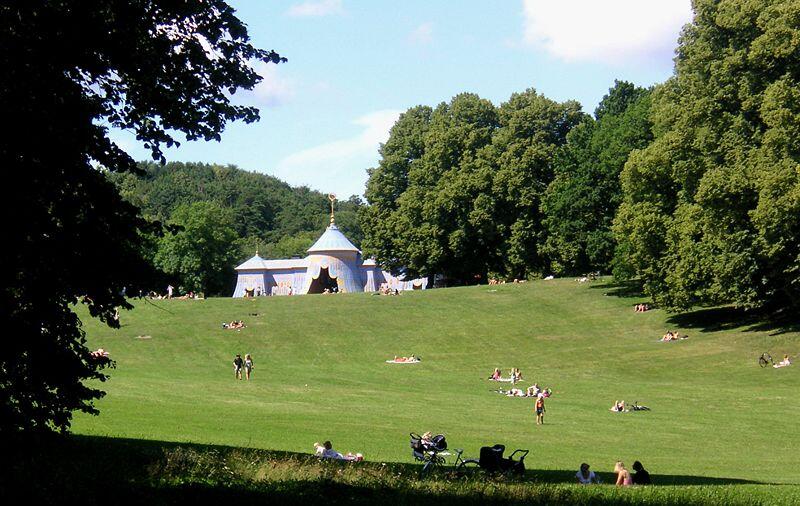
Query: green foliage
{"points": [[71, 69], [709, 212], [201, 253], [581, 201], [266, 213], [457, 189]]}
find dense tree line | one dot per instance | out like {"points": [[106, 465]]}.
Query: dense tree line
{"points": [[240, 210], [693, 187], [581, 201], [711, 209], [470, 190]]}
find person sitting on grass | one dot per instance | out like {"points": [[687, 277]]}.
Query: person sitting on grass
{"points": [[496, 374], [618, 407], [99, 354], [783, 363], [533, 390], [623, 475], [516, 375], [641, 476], [585, 476]]}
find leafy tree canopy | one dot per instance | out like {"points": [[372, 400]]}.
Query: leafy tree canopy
{"points": [[581, 201], [70, 70], [457, 189], [202, 252], [711, 209]]}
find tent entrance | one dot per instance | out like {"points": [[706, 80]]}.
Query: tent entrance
{"points": [[322, 282]]}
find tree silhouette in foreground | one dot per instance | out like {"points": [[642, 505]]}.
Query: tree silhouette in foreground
{"points": [[70, 70]]}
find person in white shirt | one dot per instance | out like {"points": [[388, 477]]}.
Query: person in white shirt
{"points": [[585, 476]]}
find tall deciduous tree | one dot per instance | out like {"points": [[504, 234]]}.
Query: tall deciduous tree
{"points": [[202, 252], [711, 209], [533, 127], [70, 69], [458, 188], [580, 204]]}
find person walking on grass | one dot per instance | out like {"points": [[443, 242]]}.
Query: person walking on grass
{"points": [[540, 410], [248, 366], [237, 367]]}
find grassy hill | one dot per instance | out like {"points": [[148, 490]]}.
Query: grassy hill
{"points": [[320, 374]]}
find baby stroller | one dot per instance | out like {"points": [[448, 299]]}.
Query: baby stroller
{"points": [[491, 460], [428, 452]]}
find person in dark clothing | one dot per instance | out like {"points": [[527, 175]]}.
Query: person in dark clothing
{"points": [[237, 366], [641, 476]]}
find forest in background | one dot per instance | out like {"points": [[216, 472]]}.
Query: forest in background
{"points": [[223, 214]]}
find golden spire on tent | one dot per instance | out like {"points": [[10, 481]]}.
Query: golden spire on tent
{"points": [[332, 198]]}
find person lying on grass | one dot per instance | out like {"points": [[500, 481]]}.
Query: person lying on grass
{"points": [[518, 392], [234, 325], [673, 336], [783, 363], [411, 358], [326, 451], [618, 407]]}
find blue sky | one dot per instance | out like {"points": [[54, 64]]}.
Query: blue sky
{"points": [[354, 65]]}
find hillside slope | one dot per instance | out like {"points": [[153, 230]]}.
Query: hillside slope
{"points": [[320, 374]]}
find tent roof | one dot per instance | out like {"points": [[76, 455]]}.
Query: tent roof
{"points": [[289, 263], [259, 264], [332, 240], [256, 262]]}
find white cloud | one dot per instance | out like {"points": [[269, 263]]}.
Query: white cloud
{"points": [[613, 31], [274, 89], [423, 34], [316, 8], [339, 166]]}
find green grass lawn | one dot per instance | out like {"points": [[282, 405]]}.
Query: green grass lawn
{"points": [[320, 374]]}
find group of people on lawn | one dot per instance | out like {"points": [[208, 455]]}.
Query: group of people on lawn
{"points": [[585, 476], [535, 391]]}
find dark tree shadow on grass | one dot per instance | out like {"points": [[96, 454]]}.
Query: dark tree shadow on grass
{"points": [[103, 471], [626, 289], [730, 318]]}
